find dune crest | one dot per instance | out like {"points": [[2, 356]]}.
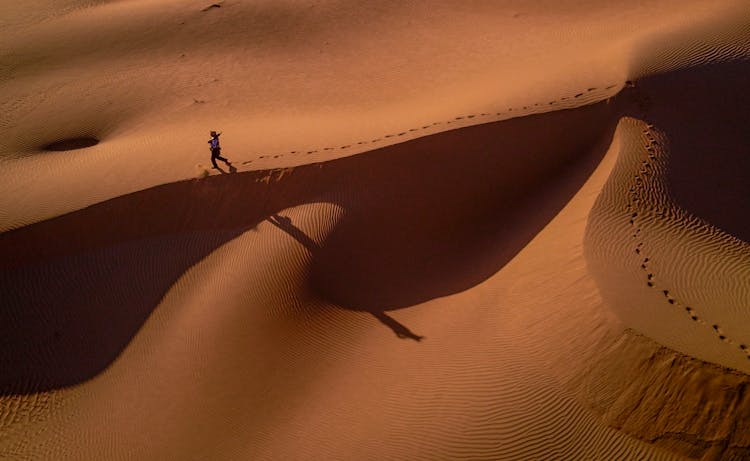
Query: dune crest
{"points": [[683, 281], [450, 230]]}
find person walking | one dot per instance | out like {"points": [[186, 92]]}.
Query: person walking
{"points": [[216, 150]]}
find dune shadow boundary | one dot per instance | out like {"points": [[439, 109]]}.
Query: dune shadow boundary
{"points": [[703, 113], [426, 218]]}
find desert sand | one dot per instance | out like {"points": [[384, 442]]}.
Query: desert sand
{"points": [[502, 230]]}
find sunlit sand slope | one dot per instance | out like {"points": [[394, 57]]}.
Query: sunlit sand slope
{"points": [[258, 350], [451, 230], [668, 245]]}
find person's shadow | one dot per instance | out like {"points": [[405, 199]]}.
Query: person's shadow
{"points": [[400, 329], [232, 169], [285, 223]]}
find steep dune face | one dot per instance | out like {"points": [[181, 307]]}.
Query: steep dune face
{"points": [[463, 188], [243, 357], [107, 266], [451, 230], [670, 399], [664, 244], [701, 112], [689, 275]]}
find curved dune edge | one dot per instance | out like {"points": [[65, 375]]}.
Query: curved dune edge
{"points": [[677, 376], [293, 299], [362, 309], [620, 409], [152, 129], [675, 401], [245, 357], [104, 269], [668, 273]]}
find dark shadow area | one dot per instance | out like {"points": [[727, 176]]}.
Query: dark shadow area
{"points": [[213, 5], [434, 216], [426, 218], [72, 144], [704, 113], [284, 223], [232, 169], [399, 329]]}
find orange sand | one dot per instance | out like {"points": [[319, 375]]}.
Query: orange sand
{"points": [[452, 230]]}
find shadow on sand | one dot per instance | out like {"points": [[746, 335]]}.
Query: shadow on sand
{"points": [[285, 223], [425, 218], [703, 113], [232, 169]]}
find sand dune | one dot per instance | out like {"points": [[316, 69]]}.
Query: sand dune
{"points": [[375, 259], [451, 230], [682, 220]]}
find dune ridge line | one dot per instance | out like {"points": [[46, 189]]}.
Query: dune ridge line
{"points": [[455, 119]]}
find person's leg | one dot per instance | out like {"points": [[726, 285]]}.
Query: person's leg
{"points": [[219, 157], [214, 156]]}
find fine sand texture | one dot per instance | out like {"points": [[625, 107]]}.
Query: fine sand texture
{"points": [[501, 230]]}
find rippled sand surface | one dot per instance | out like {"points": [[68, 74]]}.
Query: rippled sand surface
{"points": [[450, 230]]}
